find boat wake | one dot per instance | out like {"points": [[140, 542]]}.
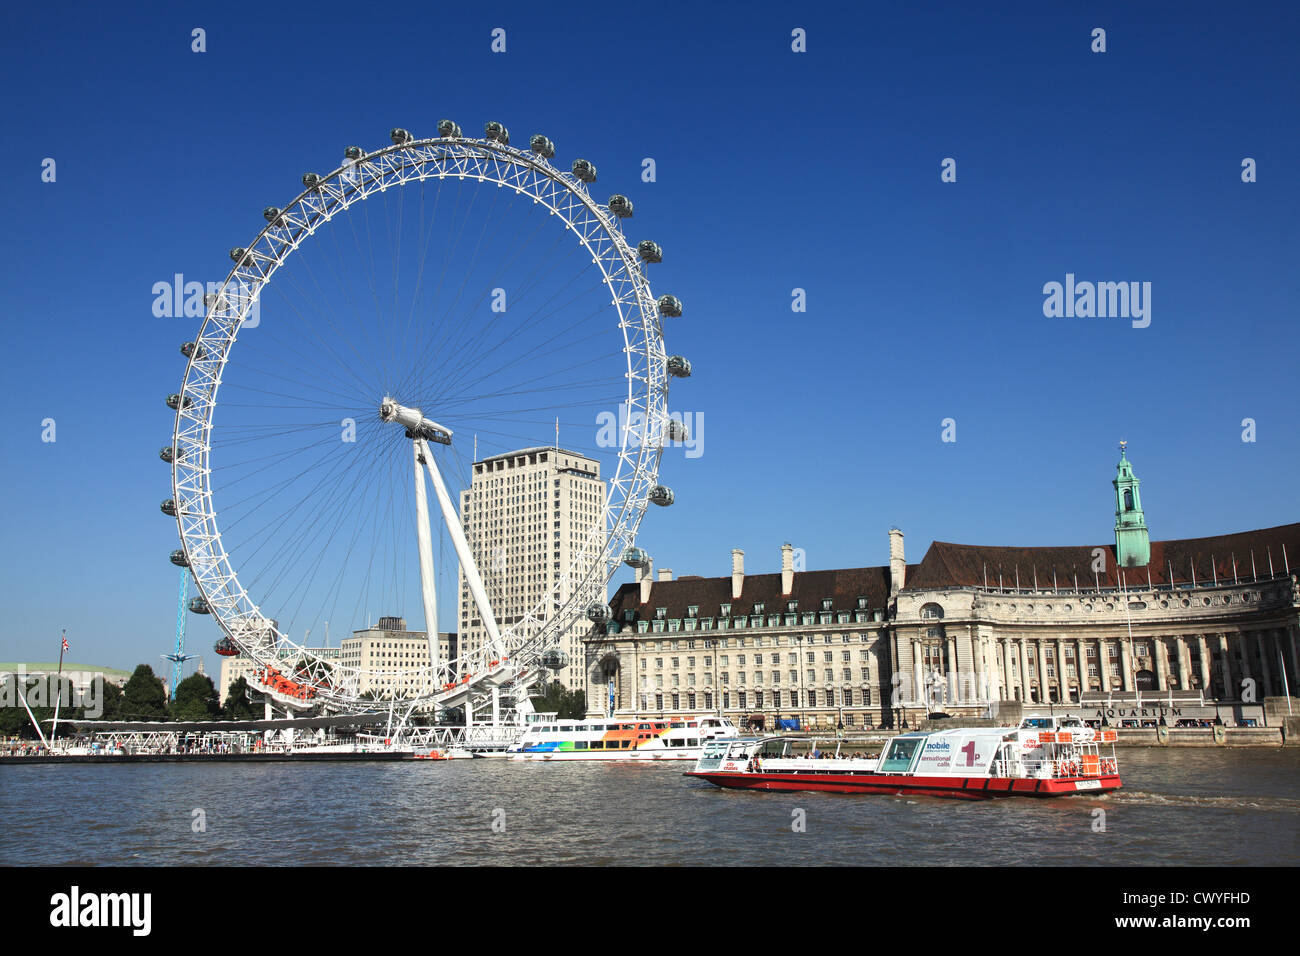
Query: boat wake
{"points": [[1271, 804]]}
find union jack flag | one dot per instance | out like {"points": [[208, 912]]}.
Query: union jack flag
{"points": [[65, 643]]}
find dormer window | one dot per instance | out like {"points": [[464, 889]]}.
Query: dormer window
{"points": [[758, 608], [862, 603], [826, 604], [661, 613], [693, 610], [726, 610], [792, 605]]}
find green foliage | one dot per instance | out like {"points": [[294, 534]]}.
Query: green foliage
{"points": [[195, 699], [238, 706], [566, 704], [143, 697]]}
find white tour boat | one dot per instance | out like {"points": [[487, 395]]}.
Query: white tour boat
{"points": [[621, 738], [1043, 757]]}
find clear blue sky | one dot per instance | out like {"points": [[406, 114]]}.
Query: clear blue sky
{"points": [[776, 170]]}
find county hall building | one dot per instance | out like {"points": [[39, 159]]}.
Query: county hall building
{"points": [[969, 627]]}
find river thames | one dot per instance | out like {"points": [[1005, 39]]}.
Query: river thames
{"points": [[1177, 808]]}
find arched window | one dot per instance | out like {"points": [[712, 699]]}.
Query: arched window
{"points": [[931, 612], [1128, 499]]}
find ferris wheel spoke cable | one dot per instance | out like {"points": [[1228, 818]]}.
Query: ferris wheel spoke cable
{"points": [[334, 509], [447, 346], [531, 321], [312, 468], [534, 320], [324, 313], [533, 352]]}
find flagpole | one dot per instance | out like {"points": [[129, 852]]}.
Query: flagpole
{"points": [[58, 685]]}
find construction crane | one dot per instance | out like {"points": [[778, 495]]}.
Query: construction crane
{"points": [[178, 657]]}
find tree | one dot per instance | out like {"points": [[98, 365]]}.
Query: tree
{"points": [[238, 706], [143, 697], [565, 704], [195, 699]]}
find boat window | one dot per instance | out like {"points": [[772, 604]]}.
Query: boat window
{"points": [[598, 745], [580, 745], [642, 726], [676, 723], [900, 753]]}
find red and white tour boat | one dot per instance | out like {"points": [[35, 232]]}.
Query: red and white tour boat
{"points": [[1043, 757]]}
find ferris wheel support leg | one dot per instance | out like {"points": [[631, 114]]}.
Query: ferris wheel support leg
{"points": [[427, 588], [467, 564]]}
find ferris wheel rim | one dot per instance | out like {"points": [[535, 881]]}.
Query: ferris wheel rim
{"points": [[215, 574]]}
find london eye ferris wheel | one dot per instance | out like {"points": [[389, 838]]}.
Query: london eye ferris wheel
{"points": [[424, 305]]}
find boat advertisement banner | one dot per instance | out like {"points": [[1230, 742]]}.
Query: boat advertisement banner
{"points": [[957, 754]]}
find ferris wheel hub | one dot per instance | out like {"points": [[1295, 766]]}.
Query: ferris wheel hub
{"points": [[413, 420]]}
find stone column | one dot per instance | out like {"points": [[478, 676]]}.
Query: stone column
{"points": [[918, 666], [1040, 649], [1006, 693], [1265, 672], [1103, 665], [1291, 641], [1184, 662], [1081, 666], [1228, 690], [1125, 664], [1205, 664], [1024, 672], [954, 686], [1246, 670], [977, 664], [1161, 653], [1062, 676]]}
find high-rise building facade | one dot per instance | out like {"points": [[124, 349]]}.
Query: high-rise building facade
{"points": [[531, 516]]}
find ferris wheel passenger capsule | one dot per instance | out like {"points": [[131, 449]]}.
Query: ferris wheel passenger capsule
{"points": [[168, 507], [199, 606], [599, 613], [620, 206], [176, 401], [225, 647], [171, 454], [555, 659], [193, 350], [448, 130], [649, 251], [497, 132], [542, 146], [178, 558], [239, 256], [355, 153], [675, 430], [271, 213], [399, 136], [584, 170], [661, 495], [669, 305], [679, 366], [636, 558], [311, 180]]}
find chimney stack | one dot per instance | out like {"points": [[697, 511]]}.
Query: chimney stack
{"points": [[787, 569], [645, 577], [897, 564], [665, 574], [737, 573]]}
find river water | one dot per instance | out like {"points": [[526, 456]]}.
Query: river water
{"points": [[1178, 807]]}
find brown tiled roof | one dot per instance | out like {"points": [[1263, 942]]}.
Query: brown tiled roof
{"points": [[956, 565], [843, 587]]}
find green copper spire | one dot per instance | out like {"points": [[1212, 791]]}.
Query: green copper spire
{"points": [[1132, 542]]}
